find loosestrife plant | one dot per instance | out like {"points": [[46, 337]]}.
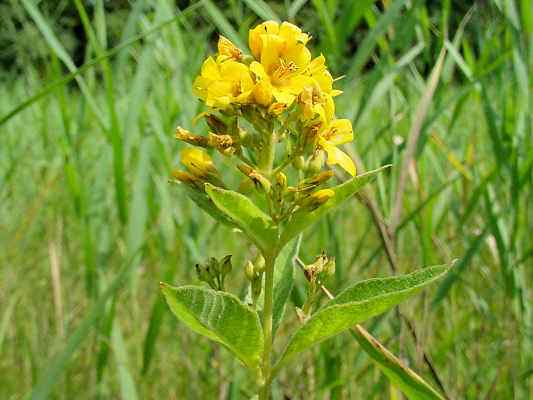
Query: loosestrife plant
{"points": [[272, 114]]}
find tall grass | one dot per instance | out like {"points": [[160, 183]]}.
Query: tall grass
{"points": [[85, 152]]}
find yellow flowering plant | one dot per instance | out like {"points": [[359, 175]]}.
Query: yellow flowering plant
{"points": [[271, 113]]}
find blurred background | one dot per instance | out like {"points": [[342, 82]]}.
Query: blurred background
{"points": [[90, 95]]}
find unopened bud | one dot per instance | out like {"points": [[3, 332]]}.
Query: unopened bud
{"points": [[315, 181], [299, 163], [203, 273], [188, 179], [227, 50], [260, 263], [260, 182], [223, 143], [329, 267], [316, 199], [281, 181], [197, 162], [215, 124], [225, 265], [316, 162], [277, 108], [186, 136], [249, 271]]}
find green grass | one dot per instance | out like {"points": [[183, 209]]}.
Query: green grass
{"points": [[89, 224]]}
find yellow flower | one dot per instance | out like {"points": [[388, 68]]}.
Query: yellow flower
{"points": [[316, 199], [283, 58], [197, 162], [318, 71], [267, 89], [227, 50], [339, 131], [223, 83], [316, 104]]}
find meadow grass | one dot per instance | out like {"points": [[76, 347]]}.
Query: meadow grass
{"points": [[89, 224]]}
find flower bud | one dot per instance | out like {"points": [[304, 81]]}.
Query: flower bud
{"points": [[227, 50], [329, 266], [316, 162], [223, 143], [188, 137], [316, 199], [281, 181], [215, 124], [202, 273], [197, 162], [225, 265], [299, 163], [260, 263], [249, 271], [260, 182]]}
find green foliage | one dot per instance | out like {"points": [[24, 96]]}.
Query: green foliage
{"points": [[356, 304], [467, 196], [221, 317], [245, 214], [408, 381], [303, 219]]}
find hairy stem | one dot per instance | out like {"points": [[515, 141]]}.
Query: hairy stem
{"points": [[267, 326]]}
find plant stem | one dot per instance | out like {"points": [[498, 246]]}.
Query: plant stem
{"points": [[267, 325]]}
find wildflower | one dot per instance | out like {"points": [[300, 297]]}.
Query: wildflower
{"points": [[316, 199], [188, 137], [283, 57], [339, 131], [223, 83], [227, 50], [197, 162]]}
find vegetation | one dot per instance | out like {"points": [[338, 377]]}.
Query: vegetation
{"points": [[90, 224]]}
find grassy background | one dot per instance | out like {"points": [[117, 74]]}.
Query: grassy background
{"points": [[91, 93]]}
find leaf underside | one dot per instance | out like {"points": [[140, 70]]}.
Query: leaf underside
{"points": [[219, 316], [245, 214]]}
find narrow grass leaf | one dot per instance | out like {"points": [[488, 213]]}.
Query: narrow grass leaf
{"points": [[404, 378], [222, 23], [262, 10]]}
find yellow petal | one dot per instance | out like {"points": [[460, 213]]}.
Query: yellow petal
{"points": [[337, 156], [340, 131], [210, 69], [270, 52], [283, 96], [263, 93], [197, 161], [227, 49], [254, 37]]}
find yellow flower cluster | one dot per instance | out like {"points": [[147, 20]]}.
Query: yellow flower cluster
{"points": [[280, 76]]}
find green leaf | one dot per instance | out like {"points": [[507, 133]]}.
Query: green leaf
{"points": [[205, 203], [408, 381], [356, 304], [262, 10], [221, 317], [245, 214], [303, 219], [283, 282]]}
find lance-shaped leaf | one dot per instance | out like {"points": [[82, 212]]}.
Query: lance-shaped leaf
{"points": [[246, 215], [356, 304], [221, 317], [303, 219], [203, 201], [404, 378]]}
